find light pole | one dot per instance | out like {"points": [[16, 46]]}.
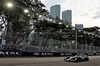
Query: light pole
{"points": [[86, 35], [60, 35], [8, 27], [76, 38], [77, 27], [86, 42]]}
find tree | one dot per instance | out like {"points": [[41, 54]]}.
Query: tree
{"points": [[18, 18]]}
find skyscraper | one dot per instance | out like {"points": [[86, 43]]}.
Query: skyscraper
{"points": [[55, 11], [67, 17]]}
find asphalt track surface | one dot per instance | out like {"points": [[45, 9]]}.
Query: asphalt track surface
{"points": [[47, 61]]}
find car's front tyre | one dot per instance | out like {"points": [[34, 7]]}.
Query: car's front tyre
{"points": [[78, 60], [86, 59]]}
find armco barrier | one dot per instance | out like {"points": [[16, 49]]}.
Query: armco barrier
{"points": [[10, 53], [97, 53], [91, 54], [47, 54], [40, 54]]}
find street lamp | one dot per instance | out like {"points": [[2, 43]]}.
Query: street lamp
{"points": [[60, 23], [50, 20], [66, 26], [26, 10], [9, 5], [40, 16]]}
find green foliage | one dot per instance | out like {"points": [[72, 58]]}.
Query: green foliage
{"points": [[16, 16], [1, 27], [92, 29], [97, 42], [53, 30], [20, 22]]}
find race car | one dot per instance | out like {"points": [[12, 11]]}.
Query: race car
{"points": [[77, 58]]}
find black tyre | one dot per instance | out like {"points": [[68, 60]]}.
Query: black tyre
{"points": [[86, 59], [78, 60]]}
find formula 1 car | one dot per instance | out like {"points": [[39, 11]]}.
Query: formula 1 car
{"points": [[77, 58]]}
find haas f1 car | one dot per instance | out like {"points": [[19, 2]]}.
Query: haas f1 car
{"points": [[77, 58]]}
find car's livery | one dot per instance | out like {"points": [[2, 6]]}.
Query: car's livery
{"points": [[77, 58]]}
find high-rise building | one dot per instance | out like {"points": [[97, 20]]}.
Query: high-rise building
{"points": [[67, 17], [55, 11]]}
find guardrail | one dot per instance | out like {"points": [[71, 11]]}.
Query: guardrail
{"points": [[39, 54]]}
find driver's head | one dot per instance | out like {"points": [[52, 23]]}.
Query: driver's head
{"points": [[76, 55]]}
